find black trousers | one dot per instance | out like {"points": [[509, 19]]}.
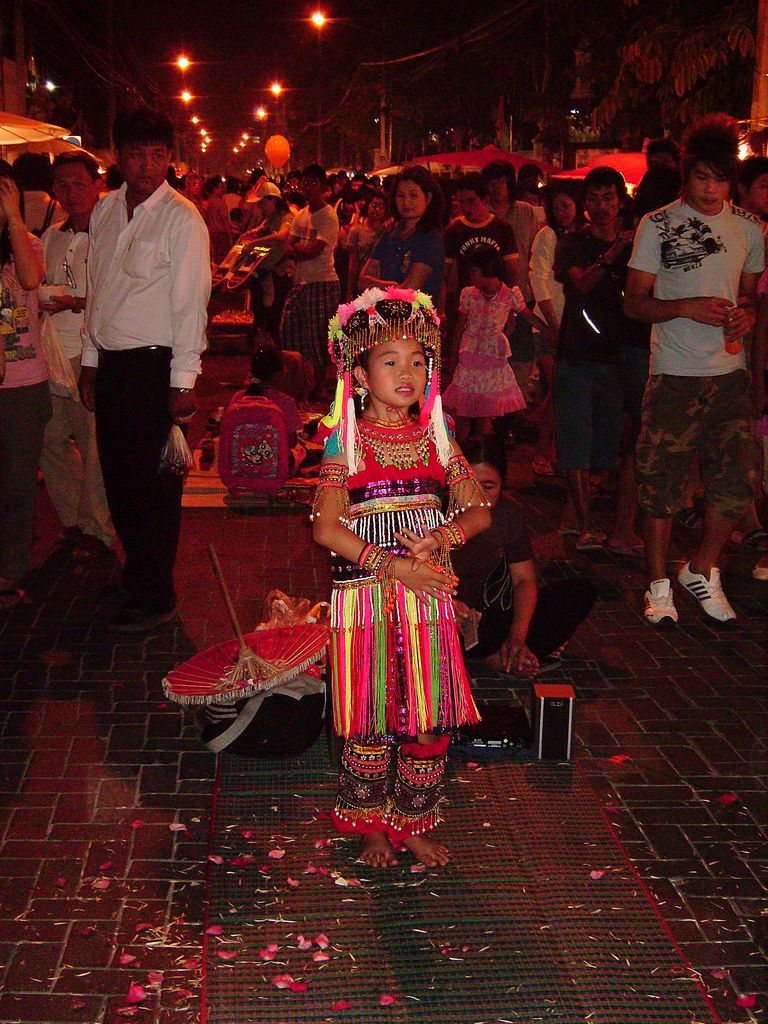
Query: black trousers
{"points": [[561, 608], [132, 424]]}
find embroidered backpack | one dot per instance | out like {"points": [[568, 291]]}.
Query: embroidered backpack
{"points": [[253, 446]]}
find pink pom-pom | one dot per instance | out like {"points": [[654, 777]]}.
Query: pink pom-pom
{"points": [[345, 311], [400, 294]]}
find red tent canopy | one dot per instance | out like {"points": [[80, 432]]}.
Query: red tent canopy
{"points": [[631, 165], [478, 158]]}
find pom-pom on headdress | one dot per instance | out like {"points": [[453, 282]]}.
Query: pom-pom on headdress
{"points": [[376, 316]]}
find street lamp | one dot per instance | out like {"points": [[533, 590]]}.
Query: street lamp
{"points": [[318, 19], [261, 113], [186, 96], [183, 63], [276, 88], [245, 136]]}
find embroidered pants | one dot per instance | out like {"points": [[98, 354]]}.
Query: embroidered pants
{"points": [[370, 801]]}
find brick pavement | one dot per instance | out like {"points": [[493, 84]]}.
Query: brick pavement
{"points": [[96, 766]]}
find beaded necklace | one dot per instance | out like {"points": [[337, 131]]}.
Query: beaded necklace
{"points": [[402, 445]]}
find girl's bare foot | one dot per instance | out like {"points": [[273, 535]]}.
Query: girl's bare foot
{"points": [[376, 850], [427, 851]]}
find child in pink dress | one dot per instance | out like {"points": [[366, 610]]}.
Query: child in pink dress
{"points": [[484, 386]]}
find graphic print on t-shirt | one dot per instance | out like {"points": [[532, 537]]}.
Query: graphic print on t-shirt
{"points": [[14, 324], [685, 245]]}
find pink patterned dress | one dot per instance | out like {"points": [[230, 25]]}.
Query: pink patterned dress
{"points": [[484, 384]]}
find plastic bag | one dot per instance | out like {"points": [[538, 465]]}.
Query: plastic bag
{"points": [[176, 456], [61, 378], [280, 610]]}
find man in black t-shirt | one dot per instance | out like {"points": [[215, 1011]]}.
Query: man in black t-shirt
{"points": [[592, 267]]}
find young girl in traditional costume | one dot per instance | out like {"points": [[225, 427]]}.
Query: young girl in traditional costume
{"points": [[395, 495]]}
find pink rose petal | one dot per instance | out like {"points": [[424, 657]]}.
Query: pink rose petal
{"points": [[311, 870], [385, 999], [178, 827], [138, 823], [619, 758], [322, 941], [341, 1004], [215, 929], [60, 883], [155, 977], [243, 860], [192, 963], [747, 1000], [128, 1011], [299, 986], [302, 943], [266, 954], [320, 957], [323, 871], [473, 764], [293, 883], [596, 874], [720, 973], [277, 853], [136, 994], [247, 833], [322, 844], [126, 958], [226, 954], [282, 981], [727, 798], [143, 927], [100, 883], [106, 866], [215, 858], [417, 869]]}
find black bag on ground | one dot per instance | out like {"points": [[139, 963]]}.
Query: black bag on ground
{"points": [[283, 722], [503, 733]]}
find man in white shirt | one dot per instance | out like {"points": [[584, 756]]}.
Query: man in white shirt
{"points": [[70, 459], [693, 274], [149, 281], [315, 294]]}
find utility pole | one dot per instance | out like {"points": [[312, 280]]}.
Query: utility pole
{"points": [[20, 53], [759, 113], [111, 104]]}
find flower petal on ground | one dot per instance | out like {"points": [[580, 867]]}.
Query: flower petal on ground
{"points": [[277, 853], [101, 883], [293, 883], [299, 986], [596, 874], [322, 941], [747, 1000], [215, 858], [720, 973], [320, 957], [178, 827], [282, 981], [341, 1004], [266, 954], [215, 929], [385, 999], [192, 963], [619, 758], [155, 977], [126, 958], [138, 823], [726, 798], [227, 954], [106, 866], [136, 994]]}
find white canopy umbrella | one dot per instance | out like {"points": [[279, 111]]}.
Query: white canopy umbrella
{"points": [[16, 130]]}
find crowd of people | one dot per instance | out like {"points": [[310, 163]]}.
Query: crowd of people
{"points": [[640, 323], [645, 320]]}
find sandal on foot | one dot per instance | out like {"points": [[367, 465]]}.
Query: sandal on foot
{"points": [[590, 541], [10, 597], [541, 466], [756, 539]]}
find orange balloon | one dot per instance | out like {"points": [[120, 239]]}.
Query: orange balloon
{"points": [[278, 150]]}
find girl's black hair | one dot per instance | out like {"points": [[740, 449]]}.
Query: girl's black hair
{"points": [[266, 361], [489, 261], [417, 175], [559, 188], [487, 450], [6, 252]]}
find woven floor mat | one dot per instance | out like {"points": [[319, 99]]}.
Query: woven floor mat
{"points": [[537, 918]]}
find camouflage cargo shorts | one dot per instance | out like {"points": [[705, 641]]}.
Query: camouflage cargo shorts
{"points": [[689, 417]]}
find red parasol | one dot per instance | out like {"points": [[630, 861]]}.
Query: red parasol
{"points": [[285, 652], [478, 158], [632, 165]]}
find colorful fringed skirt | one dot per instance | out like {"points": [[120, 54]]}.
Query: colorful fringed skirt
{"points": [[396, 672]]}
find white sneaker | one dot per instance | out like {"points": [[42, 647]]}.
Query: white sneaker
{"points": [[707, 592], [659, 603]]}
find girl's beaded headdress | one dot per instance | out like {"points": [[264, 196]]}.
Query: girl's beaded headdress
{"points": [[376, 316]]}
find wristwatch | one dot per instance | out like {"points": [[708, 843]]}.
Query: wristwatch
{"points": [[183, 391]]}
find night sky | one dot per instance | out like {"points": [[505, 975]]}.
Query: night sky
{"points": [[241, 46]]}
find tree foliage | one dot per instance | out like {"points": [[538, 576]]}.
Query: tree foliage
{"points": [[683, 58]]}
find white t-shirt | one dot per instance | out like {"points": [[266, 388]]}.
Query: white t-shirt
{"points": [[694, 255], [307, 227], [66, 259]]}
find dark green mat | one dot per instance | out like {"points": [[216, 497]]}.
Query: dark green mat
{"points": [[514, 930]]}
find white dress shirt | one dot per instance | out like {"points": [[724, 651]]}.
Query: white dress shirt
{"points": [[149, 280], [66, 253]]}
